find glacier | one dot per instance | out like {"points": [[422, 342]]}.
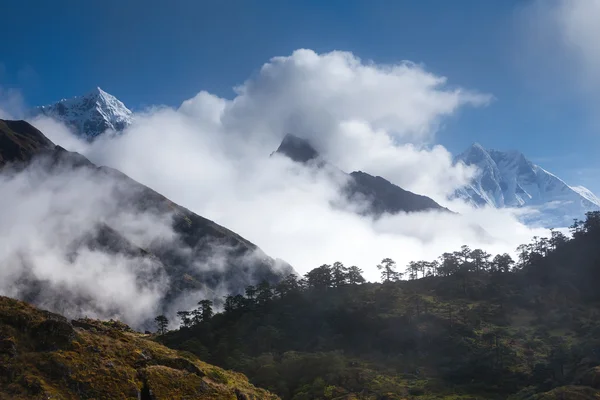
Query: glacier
{"points": [[507, 179]]}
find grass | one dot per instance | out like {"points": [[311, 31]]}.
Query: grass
{"points": [[101, 361]]}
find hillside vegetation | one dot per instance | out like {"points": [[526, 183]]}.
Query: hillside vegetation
{"points": [[462, 327], [44, 356]]}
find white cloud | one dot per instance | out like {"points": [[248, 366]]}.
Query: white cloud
{"points": [[212, 156]]}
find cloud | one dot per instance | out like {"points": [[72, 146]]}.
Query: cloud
{"points": [[312, 93], [211, 155], [49, 218], [562, 37]]}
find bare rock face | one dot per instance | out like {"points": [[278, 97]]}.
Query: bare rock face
{"points": [[54, 334]]}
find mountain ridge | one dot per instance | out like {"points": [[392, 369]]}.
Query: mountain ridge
{"points": [[89, 115], [186, 259], [376, 193], [508, 179]]}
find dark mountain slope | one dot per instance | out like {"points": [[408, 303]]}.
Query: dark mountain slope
{"points": [[379, 195], [469, 328], [297, 149], [19, 142], [385, 197], [201, 254]]}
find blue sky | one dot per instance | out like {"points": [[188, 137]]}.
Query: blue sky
{"points": [[151, 52]]}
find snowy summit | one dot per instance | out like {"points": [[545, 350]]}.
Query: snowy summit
{"points": [[508, 179], [90, 115]]}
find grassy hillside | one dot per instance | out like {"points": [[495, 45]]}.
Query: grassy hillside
{"points": [[462, 328], [44, 356]]}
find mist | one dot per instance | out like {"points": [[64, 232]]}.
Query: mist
{"points": [[50, 215], [212, 155]]}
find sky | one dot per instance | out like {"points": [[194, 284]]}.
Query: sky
{"points": [[153, 52]]}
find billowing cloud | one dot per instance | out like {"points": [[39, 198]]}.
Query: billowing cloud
{"points": [[212, 156]]}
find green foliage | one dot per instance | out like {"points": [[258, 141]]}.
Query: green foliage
{"points": [[465, 326], [162, 323], [388, 270]]}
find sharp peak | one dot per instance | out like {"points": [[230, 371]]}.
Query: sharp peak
{"points": [[477, 146], [290, 137], [297, 148], [98, 92], [474, 148]]}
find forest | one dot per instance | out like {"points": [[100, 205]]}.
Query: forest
{"points": [[466, 325]]}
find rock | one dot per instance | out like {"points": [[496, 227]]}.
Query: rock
{"points": [[8, 347], [178, 363], [240, 396], [591, 378], [53, 335], [88, 326]]}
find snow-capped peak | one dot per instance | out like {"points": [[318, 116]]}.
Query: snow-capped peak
{"points": [[586, 193], [90, 115], [508, 179]]}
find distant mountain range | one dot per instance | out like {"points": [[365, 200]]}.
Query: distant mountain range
{"points": [[503, 179], [187, 259], [508, 179]]}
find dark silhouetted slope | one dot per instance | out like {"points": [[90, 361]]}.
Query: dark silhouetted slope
{"points": [[202, 255], [374, 192]]}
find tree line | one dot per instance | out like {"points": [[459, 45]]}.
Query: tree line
{"points": [[460, 263]]}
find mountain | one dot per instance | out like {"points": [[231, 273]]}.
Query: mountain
{"points": [[508, 179], [297, 149], [19, 141], [90, 115], [199, 257], [467, 327], [46, 356], [377, 194], [385, 197]]}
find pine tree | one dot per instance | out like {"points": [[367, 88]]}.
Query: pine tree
{"points": [[319, 278], [251, 293], [339, 274], [184, 316], [206, 311], [355, 275], [264, 293], [287, 285], [388, 270], [162, 322]]}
